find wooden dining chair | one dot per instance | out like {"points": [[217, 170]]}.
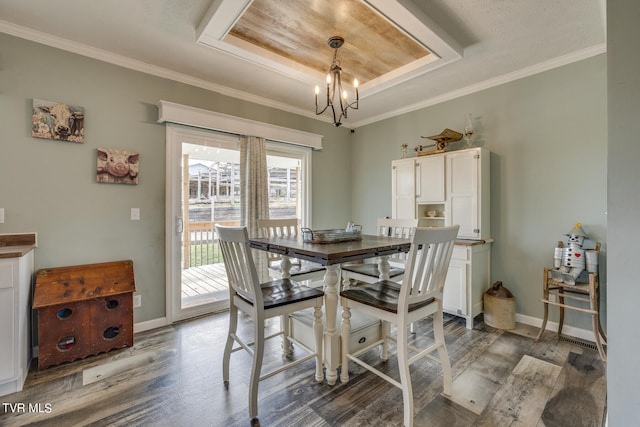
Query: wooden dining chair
{"points": [[277, 298], [419, 296], [369, 272], [300, 269]]}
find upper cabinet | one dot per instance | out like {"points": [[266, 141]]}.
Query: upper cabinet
{"points": [[468, 191], [430, 179], [403, 188], [445, 189]]}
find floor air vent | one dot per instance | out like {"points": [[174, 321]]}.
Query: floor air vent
{"points": [[577, 341]]}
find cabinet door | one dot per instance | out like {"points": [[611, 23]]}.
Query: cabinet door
{"points": [[8, 275], [430, 178], [462, 187], [403, 188], [7, 355], [454, 297]]}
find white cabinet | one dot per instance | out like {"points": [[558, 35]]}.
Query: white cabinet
{"points": [[467, 182], [403, 184], [445, 189], [418, 187], [467, 280], [15, 288], [430, 179], [7, 365]]}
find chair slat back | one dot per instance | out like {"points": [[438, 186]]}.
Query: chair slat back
{"points": [[401, 228], [427, 264], [241, 270], [279, 228]]}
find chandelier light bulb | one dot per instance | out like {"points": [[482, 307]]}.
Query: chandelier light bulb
{"points": [[317, 89], [328, 78], [355, 83]]}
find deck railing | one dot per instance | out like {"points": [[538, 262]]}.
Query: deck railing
{"points": [[201, 245]]}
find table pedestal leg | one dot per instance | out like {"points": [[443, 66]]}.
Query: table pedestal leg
{"points": [[287, 347], [285, 266], [384, 268], [331, 339]]}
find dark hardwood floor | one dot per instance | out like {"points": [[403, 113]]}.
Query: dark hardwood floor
{"points": [[172, 377]]}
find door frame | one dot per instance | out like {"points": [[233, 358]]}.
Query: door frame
{"points": [[175, 135]]}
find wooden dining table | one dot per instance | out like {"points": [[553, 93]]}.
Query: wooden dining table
{"points": [[331, 256]]}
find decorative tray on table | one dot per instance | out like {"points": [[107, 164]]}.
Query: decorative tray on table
{"points": [[353, 232]]}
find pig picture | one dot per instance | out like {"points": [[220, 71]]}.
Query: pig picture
{"points": [[117, 166], [53, 120]]}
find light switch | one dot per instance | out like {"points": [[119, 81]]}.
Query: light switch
{"points": [[1, 215], [135, 214]]}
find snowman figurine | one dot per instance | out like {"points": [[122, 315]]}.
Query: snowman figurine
{"points": [[571, 259]]}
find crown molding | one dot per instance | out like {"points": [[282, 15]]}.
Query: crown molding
{"points": [[487, 84], [133, 64]]}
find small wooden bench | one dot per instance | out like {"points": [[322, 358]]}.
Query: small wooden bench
{"points": [[83, 310]]}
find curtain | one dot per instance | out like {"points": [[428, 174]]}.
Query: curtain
{"points": [[254, 191]]}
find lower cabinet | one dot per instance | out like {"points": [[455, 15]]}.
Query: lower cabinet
{"points": [[7, 322], [15, 335], [468, 278]]}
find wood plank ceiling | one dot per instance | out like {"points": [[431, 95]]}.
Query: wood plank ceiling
{"points": [[299, 30]]}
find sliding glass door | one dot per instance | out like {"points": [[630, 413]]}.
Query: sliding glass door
{"points": [[203, 189]]}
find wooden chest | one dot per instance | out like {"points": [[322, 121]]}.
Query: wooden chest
{"points": [[83, 310]]}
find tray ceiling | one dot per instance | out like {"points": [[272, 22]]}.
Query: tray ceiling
{"points": [[298, 31], [385, 43]]}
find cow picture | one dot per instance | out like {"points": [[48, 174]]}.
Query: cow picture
{"points": [[61, 122], [117, 166]]}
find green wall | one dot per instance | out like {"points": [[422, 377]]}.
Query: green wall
{"points": [[49, 187], [547, 135], [623, 78]]}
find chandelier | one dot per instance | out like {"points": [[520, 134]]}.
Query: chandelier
{"points": [[334, 84]]}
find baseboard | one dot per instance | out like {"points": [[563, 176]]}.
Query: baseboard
{"points": [[150, 324], [583, 334]]}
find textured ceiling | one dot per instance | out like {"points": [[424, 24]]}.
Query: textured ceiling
{"points": [[298, 30], [497, 40]]}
